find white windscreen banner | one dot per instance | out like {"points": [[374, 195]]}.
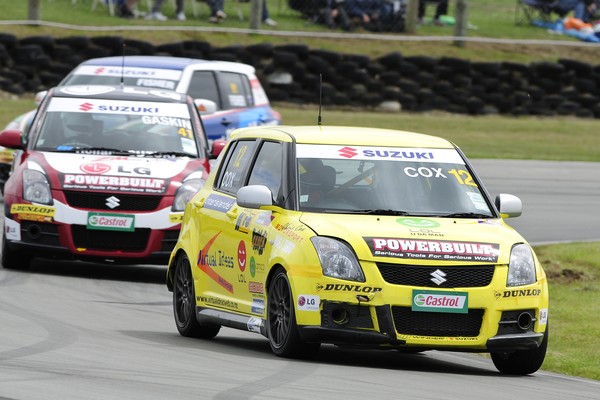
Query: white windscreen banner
{"points": [[119, 107], [128, 72], [405, 154]]}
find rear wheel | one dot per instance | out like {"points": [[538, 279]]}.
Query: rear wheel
{"points": [[12, 259], [184, 303], [521, 362], [282, 329]]}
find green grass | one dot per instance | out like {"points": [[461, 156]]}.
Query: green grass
{"points": [[573, 269]]}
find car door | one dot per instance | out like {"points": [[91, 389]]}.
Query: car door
{"points": [[218, 257], [252, 229]]}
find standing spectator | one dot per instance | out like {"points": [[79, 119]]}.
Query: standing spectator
{"points": [[216, 11], [265, 15], [440, 9], [156, 12]]}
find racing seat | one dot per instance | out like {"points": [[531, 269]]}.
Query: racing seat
{"points": [[318, 180]]}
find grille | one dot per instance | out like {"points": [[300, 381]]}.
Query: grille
{"points": [[46, 234], [410, 322], [456, 276], [127, 202], [110, 240]]}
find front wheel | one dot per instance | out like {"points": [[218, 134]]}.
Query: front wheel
{"points": [[282, 329], [521, 362], [184, 303]]}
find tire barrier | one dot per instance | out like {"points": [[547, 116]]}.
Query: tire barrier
{"points": [[294, 73]]}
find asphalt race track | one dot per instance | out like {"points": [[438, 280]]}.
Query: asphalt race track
{"points": [[90, 331]]}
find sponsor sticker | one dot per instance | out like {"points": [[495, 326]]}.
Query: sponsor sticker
{"points": [[446, 302], [32, 209], [111, 222], [308, 302], [444, 250], [543, 316]]}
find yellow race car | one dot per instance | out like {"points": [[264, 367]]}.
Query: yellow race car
{"points": [[357, 237]]}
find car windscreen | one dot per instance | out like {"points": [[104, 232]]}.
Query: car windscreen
{"points": [[129, 76], [388, 181], [91, 125]]}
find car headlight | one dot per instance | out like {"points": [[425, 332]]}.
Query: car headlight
{"points": [[337, 259], [186, 192], [36, 187], [521, 269]]}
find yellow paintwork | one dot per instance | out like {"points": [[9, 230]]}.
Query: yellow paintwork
{"points": [[241, 289]]}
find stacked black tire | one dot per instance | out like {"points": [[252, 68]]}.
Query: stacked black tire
{"points": [[294, 73]]}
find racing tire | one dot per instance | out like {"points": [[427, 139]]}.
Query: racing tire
{"points": [[12, 259], [521, 362], [184, 303], [282, 330]]}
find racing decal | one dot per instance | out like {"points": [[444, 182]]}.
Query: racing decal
{"points": [[111, 222], [32, 209], [308, 302], [258, 306], [543, 316], [100, 70], [89, 90], [248, 217], [518, 293], [215, 301], [283, 245], [259, 240], [478, 201], [206, 260], [241, 255], [463, 177], [346, 287], [424, 172], [167, 121], [256, 287], [447, 302], [254, 324], [401, 154], [433, 249], [114, 183], [121, 107], [12, 229], [95, 168], [219, 203], [290, 230], [425, 232], [157, 83], [418, 223]]}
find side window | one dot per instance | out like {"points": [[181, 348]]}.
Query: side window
{"points": [[204, 86], [268, 168], [232, 175], [237, 90]]}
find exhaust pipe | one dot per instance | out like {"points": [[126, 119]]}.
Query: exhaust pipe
{"points": [[340, 316]]}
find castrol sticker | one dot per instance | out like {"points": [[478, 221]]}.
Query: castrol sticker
{"points": [[447, 302], [111, 222]]}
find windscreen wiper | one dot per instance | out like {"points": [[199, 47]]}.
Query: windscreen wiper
{"points": [[466, 215]]}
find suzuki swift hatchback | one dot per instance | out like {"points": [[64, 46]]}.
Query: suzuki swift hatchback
{"points": [[104, 174], [358, 237]]}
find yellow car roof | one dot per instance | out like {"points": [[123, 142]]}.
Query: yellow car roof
{"points": [[343, 135]]}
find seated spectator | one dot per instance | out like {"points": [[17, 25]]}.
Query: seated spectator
{"points": [[368, 13], [440, 9], [582, 9], [334, 15], [156, 11]]}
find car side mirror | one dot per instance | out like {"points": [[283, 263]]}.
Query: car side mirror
{"points": [[12, 139], [510, 206], [205, 106], [217, 148], [254, 196]]}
